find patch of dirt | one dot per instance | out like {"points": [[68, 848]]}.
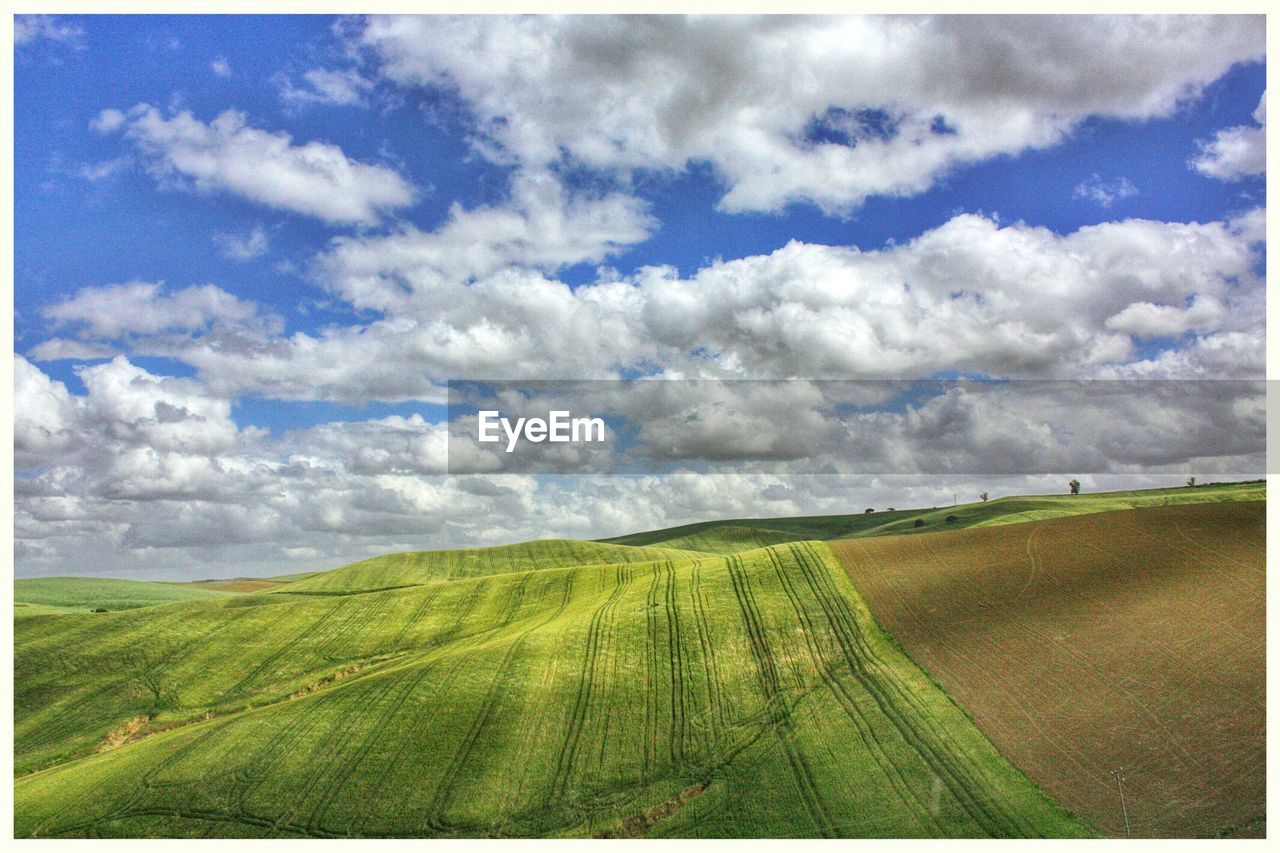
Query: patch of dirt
{"points": [[1129, 640], [122, 734], [637, 826], [335, 676]]}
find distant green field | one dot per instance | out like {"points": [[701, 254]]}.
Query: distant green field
{"points": [[749, 695], [726, 537], [419, 567], [77, 594]]}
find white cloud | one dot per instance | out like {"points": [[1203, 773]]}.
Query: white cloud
{"points": [[343, 88], [220, 67], [542, 226], [96, 172], [141, 308], [1145, 320], [107, 121], [46, 413], [969, 295], [150, 474], [824, 110], [227, 155], [1104, 193], [58, 349], [1236, 152], [28, 29], [243, 247], [469, 301]]}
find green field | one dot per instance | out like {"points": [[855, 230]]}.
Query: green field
{"points": [[45, 595], [418, 567], [560, 701], [736, 534], [555, 688]]}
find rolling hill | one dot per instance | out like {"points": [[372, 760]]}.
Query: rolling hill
{"points": [[747, 695], [737, 534], [418, 567], [46, 595], [717, 680]]}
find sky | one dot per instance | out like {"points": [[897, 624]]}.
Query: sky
{"points": [[251, 252]]}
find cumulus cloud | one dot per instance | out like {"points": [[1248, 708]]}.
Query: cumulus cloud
{"points": [[468, 302], [1145, 320], [1104, 193], [971, 295], [59, 349], [46, 411], [542, 226], [860, 427], [828, 111], [343, 88], [1236, 152], [102, 170], [228, 155], [150, 474], [243, 247], [28, 29], [220, 67], [142, 308]]}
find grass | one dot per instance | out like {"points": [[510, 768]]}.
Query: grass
{"points": [[716, 680], [1080, 645], [53, 595], [738, 534], [743, 695], [418, 567]]}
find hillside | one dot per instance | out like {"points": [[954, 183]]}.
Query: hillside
{"points": [[418, 567], [566, 688], [737, 534], [1082, 645], [79, 594], [749, 695]]}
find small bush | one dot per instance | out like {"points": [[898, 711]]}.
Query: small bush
{"points": [[951, 518], [919, 522]]}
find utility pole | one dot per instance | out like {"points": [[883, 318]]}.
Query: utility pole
{"points": [[1119, 774]]}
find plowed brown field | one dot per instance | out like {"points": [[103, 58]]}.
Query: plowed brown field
{"points": [[1132, 639]]}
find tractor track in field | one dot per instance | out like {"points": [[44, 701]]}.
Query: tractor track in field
{"points": [[918, 728], [586, 682], [780, 717], [865, 730], [710, 666], [446, 787]]}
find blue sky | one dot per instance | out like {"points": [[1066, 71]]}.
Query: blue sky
{"points": [[657, 198]]}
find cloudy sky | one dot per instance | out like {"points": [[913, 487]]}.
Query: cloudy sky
{"points": [[250, 252]]}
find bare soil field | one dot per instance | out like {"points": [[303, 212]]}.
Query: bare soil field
{"points": [[1130, 640]]}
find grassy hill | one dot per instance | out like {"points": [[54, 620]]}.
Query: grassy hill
{"points": [[419, 567], [736, 534], [748, 695], [658, 687], [78, 594], [1086, 644]]}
